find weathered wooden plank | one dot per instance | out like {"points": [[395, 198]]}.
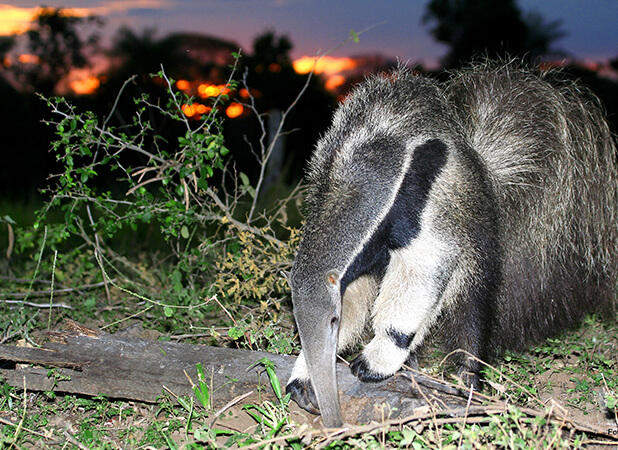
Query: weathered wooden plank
{"points": [[92, 363]]}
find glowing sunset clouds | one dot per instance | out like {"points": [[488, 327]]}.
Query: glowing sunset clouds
{"points": [[328, 65], [14, 19]]}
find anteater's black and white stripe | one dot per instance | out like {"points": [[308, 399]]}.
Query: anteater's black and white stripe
{"points": [[485, 207]]}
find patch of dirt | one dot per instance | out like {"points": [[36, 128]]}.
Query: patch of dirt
{"points": [[559, 386]]}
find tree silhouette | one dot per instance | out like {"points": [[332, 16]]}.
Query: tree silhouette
{"points": [[473, 28], [56, 46], [6, 44], [271, 71], [271, 75]]}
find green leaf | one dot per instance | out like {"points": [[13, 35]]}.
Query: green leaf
{"points": [[169, 312], [236, 331], [354, 36], [186, 405], [611, 401], [184, 232], [272, 376], [244, 179], [201, 390], [202, 184]]}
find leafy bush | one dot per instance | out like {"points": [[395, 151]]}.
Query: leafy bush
{"points": [[218, 240]]}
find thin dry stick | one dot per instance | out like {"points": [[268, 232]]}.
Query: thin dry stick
{"points": [[25, 280], [510, 380], [124, 319], [74, 441], [27, 430], [444, 386], [38, 262], [23, 416], [484, 411], [169, 391], [551, 444], [429, 405], [227, 217], [463, 424], [37, 305], [609, 390], [9, 250], [229, 405], [180, 337], [98, 248], [480, 414], [51, 295], [57, 292], [146, 299], [111, 113]]}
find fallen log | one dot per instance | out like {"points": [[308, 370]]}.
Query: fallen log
{"points": [[120, 366]]}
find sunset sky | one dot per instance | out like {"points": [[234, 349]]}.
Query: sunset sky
{"points": [[319, 25]]}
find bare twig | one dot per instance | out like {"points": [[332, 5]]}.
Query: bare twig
{"points": [[28, 430], [115, 105], [489, 366], [228, 406], [37, 305], [98, 248], [238, 224], [47, 292], [74, 441]]}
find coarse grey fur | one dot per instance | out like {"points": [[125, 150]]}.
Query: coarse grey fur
{"points": [[485, 208], [552, 164]]}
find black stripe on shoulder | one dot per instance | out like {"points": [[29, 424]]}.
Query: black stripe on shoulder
{"points": [[403, 221]]}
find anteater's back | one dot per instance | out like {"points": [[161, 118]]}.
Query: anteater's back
{"points": [[552, 164]]}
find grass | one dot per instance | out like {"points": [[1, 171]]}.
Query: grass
{"points": [[579, 361]]}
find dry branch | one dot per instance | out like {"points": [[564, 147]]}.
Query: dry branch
{"points": [[48, 292]]}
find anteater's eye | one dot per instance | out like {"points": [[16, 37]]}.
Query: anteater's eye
{"points": [[332, 278], [334, 321]]}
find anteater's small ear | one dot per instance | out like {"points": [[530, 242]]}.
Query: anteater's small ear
{"points": [[288, 278]]}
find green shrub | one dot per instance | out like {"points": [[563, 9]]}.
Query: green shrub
{"points": [[217, 242]]}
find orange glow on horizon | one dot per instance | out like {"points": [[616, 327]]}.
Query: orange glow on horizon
{"points": [[212, 90], [195, 109], [234, 110], [26, 58], [15, 20], [203, 109], [334, 82], [328, 65], [182, 84], [85, 85], [189, 110]]}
